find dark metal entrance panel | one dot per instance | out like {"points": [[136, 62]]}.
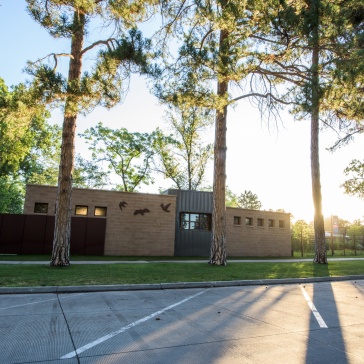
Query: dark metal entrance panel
{"points": [[191, 242], [193, 201]]}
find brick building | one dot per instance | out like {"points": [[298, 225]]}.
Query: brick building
{"points": [[175, 223]]}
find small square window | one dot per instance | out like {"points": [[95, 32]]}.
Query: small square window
{"points": [[81, 210], [260, 222], [40, 208], [249, 221], [100, 211], [281, 224], [237, 220], [271, 223]]}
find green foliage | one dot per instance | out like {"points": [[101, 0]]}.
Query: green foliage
{"points": [[202, 60], [22, 123], [249, 200], [41, 165], [104, 85], [183, 159], [268, 44], [56, 16], [246, 200], [118, 55], [11, 196], [356, 234], [231, 199], [29, 146], [355, 184], [87, 174], [128, 155], [347, 88], [301, 235]]}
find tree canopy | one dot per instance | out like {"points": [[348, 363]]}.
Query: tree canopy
{"points": [[246, 200], [23, 126], [355, 184], [127, 155], [184, 158]]}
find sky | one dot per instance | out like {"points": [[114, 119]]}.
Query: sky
{"points": [[272, 160]]}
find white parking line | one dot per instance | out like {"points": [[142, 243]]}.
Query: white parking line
{"points": [[111, 335], [318, 317], [42, 301]]}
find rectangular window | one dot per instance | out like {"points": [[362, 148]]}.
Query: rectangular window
{"points": [[281, 224], [193, 221], [260, 222], [237, 220], [40, 208], [81, 210], [271, 223], [100, 211], [249, 221]]}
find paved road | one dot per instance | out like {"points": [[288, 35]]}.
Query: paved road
{"points": [[307, 323]]}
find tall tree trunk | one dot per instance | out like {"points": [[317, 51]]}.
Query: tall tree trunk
{"points": [[62, 229], [320, 243], [218, 243]]}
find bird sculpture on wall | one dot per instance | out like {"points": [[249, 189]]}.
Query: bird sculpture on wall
{"points": [[122, 205], [165, 207], [141, 211]]}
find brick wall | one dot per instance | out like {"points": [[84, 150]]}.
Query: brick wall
{"points": [[127, 233], [254, 240], [153, 233]]}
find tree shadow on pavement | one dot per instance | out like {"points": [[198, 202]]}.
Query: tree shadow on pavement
{"points": [[325, 345]]}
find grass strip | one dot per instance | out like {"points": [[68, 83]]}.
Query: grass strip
{"points": [[105, 258], [104, 274], [47, 257]]}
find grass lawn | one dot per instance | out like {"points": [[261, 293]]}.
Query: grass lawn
{"points": [[348, 253], [87, 274], [45, 258]]}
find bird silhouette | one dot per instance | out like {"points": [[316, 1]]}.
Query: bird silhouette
{"points": [[141, 211], [165, 208], [122, 204]]}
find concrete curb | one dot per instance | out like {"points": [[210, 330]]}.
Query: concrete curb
{"points": [[181, 285]]}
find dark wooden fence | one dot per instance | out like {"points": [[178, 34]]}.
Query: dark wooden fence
{"points": [[33, 234]]}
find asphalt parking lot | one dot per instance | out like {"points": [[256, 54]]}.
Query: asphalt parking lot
{"points": [[308, 323]]}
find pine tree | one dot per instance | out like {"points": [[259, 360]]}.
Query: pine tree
{"points": [[287, 52], [220, 47], [316, 34], [118, 56]]}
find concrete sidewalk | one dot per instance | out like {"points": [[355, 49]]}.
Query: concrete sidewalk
{"points": [[46, 262]]}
